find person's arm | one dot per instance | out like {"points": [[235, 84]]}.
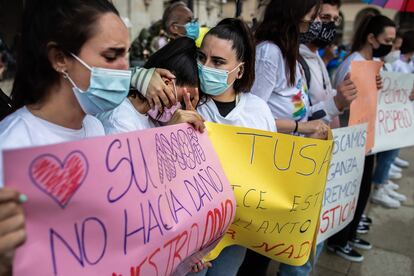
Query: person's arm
{"points": [[266, 72], [189, 115], [314, 129], [150, 83], [345, 94]]}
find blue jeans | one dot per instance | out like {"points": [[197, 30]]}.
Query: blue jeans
{"points": [[383, 165], [304, 270], [226, 264]]}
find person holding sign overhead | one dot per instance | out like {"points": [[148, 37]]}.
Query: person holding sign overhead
{"points": [[226, 72], [373, 38], [70, 52]]}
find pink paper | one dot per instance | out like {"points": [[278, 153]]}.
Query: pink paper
{"points": [[143, 203], [395, 4]]}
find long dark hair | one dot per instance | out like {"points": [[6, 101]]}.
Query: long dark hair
{"points": [[69, 24], [371, 24], [180, 58], [280, 25], [236, 31]]}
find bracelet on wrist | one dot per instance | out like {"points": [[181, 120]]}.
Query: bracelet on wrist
{"points": [[296, 127]]}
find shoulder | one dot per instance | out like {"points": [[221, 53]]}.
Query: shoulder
{"points": [[15, 130], [124, 118], [398, 65], [253, 100], [268, 49], [257, 108], [256, 105], [205, 106], [93, 126], [356, 57]]}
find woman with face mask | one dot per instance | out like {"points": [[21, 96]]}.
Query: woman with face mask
{"points": [[71, 65], [280, 79], [70, 52], [135, 113], [373, 39], [226, 73], [384, 192]]}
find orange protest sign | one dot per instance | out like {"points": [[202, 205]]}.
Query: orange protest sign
{"points": [[364, 108]]}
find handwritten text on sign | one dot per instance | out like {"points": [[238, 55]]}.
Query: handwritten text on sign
{"points": [[344, 180], [395, 116], [142, 203], [278, 181]]}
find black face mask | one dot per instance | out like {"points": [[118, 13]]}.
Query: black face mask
{"points": [[311, 34], [381, 51], [326, 36]]}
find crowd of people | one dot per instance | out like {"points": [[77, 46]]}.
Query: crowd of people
{"points": [[74, 81]]}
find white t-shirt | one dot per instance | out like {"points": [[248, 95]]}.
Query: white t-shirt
{"points": [[345, 68], [285, 101], [124, 118], [401, 66], [22, 129], [250, 111]]}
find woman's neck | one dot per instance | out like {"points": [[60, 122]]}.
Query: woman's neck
{"points": [[141, 106], [60, 107], [228, 96], [366, 52]]}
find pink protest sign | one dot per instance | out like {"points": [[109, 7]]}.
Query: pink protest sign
{"points": [[143, 203]]}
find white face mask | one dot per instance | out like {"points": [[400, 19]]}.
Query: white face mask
{"points": [[392, 56]]}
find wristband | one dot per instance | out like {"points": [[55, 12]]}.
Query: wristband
{"points": [[296, 127]]}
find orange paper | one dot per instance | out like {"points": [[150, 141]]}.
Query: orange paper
{"points": [[364, 108]]}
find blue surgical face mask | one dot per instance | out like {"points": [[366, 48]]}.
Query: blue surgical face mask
{"points": [[214, 81], [107, 89], [192, 29]]}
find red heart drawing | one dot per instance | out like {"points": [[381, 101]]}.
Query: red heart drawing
{"points": [[59, 180]]}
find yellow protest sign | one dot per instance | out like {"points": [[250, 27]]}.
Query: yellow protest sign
{"points": [[278, 181]]}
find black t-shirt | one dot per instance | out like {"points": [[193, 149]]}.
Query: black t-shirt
{"points": [[225, 108]]}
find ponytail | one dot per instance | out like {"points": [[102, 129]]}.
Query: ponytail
{"points": [[371, 24], [239, 33]]}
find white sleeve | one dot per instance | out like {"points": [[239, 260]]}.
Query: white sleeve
{"points": [[329, 107], [266, 73], [270, 120], [119, 127], [141, 78]]}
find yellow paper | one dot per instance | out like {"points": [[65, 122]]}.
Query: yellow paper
{"points": [[278, 181]]}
